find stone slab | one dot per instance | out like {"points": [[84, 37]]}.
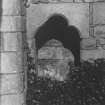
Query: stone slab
{"points": [[66, 1], [54, 42], [98, 13], [11, 41], [12, 23], [98, 0], [54, 69], [88, 44], [76, 13], [58, 1], [55, 53], [99, 31], [103, 46], [0, 42], [101, 41], [89, 0], [13, 7], [50, 1], [11, 62], [11, 84], [17, 99], [92, 54]]}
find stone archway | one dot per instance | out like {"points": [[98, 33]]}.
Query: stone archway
{"points": [[57, 27], [53, 62]]}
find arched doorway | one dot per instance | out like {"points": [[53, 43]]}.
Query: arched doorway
{"points": [[57, 46], [56, 27]]}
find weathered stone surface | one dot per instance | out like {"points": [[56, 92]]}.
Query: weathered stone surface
{"points": [[32, 47], [103, 46], [92, 54], [0, 43], [76, 13], [54, 69], [53, 61], [55, 53], [11, 41], [99, 31], [11, 83], [89, 0], [80, 1], [66, 1], [17, 99], [50, 1], [53, 42], [12, 23], [101, 41], [39, 1], [46, 1], [13, 7], [11, 62], [98, 15], [88, 44], [99, 0]]}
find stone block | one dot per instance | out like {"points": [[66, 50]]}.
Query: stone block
{"points": [[11, 41], [50, 1], [76, 13], [80, 0], [92, 54], [89, 0], [98, 13], [98, 0], [103, 46], [99, 31], [101, 41], [46, 1], [11, 62], [0, 42], [88, 44], [13, 7], [38, 1], [53, 43], [12, 24], [54, 69], [66, 1], [11, 84], [17, 99], [55, 53]]}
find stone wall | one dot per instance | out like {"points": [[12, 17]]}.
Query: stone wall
{"points": [[86, 15], [12, 33]]}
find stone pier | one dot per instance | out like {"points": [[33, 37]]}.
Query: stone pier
{"points": [[12, 34]]}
